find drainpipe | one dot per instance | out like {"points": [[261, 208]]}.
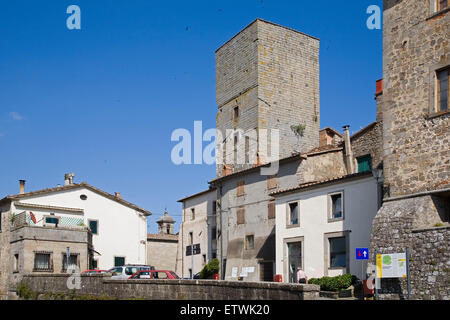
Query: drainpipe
{"points": [[348, 151], [222, 276]]}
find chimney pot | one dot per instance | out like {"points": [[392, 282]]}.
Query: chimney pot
{"points": [[118, 195], [22, 186]]}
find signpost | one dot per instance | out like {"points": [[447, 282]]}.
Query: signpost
{"points": [[362, 254]]}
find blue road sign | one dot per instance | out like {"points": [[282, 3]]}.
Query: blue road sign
{"points": [[362, 253]]}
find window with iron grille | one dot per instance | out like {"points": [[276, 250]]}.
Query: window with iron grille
{"points": [[73, 261], [43, 261]]}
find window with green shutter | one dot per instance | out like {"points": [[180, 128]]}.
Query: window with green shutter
{"points": [[93, 225], [119, 261], [364, 163]]}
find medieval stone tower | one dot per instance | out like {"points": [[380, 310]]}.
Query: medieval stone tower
{"points": [[267, 77], [416, 140]]}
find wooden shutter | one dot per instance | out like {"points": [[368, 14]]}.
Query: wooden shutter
{"points": [[240, 188], [271, 210], [241, 216]]}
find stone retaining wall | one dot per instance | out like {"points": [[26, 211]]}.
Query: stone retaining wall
{"points": [[101, 286]]}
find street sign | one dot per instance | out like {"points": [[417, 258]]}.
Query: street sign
{"points": [[362, 253]]}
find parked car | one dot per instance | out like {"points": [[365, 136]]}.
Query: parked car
{"points": [[124, 272], [96, 271], [154, 274]]}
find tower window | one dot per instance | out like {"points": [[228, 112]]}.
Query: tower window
{"points": [[236, 113], [442, 89]]}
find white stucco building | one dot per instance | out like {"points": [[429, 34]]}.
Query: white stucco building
{"points": [[319, 225], [119, 228], [197, 233]]}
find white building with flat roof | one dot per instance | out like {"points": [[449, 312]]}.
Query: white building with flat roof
{"points": [[320, 224]]}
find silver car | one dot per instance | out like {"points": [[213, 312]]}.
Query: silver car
{"points": [[124, 272]]}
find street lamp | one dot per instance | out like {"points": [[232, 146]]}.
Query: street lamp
{"points": [[378, 174]]}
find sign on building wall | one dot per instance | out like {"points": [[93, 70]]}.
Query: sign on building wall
{"points": [[391, 265]]}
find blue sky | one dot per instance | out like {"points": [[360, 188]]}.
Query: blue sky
{"points": [[103, 101]]}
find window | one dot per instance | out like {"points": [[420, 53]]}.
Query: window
{"points": [[364, 163], [204, 259], [214, 207], [442, 90], [94, 264], [336, 206], [42, 261], [131, 270], [235, 113], [247, 150], [83, 197], [441, 4], [240, 216], [240, 188], [293, 214], [213, 233], [271, 210], [73, 261], [192, 213], [190, 273], [93, 225], [249, 242], [160, 275], [191, 238], [119, 261], [338, 252], [168, 229], [52, 220], [116, 271], [16, 263]]}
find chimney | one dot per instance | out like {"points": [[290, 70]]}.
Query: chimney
{"points": [[22, 186], [348, 151], [118, 195], [68, 178]]}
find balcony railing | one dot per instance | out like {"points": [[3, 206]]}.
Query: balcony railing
{"points": [[25, 219]]}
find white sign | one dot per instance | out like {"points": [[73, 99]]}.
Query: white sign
{"points": [[234, 272], [391, 265]]}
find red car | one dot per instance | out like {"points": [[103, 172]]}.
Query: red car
{"points": [[95, 271], [154, 274]]}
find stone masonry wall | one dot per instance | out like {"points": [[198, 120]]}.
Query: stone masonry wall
{"points": [[409, 223], [416, 138], [172, 289], [369, 142], [271, 73]]}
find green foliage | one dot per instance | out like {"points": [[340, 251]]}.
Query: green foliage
{"points": [[334, 283], [26, 293], [299, 130], [210, 269]]}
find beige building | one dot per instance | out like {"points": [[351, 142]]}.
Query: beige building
{"points": [[197, 237], [27, 248], [162, 246]]}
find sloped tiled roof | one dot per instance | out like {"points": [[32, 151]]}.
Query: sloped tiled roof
{"points": [[75, 186], [321, 182]]}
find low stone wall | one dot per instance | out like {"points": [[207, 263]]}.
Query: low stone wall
{"points": [[104, 287]]}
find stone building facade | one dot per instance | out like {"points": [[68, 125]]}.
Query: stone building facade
{"points": [[29, 249], [267, 77], [162, 246], [416, 153], [197, 242]]}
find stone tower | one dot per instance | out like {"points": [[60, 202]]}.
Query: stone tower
{"points": [[416, 140], [267, 77], [165, 224]]}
